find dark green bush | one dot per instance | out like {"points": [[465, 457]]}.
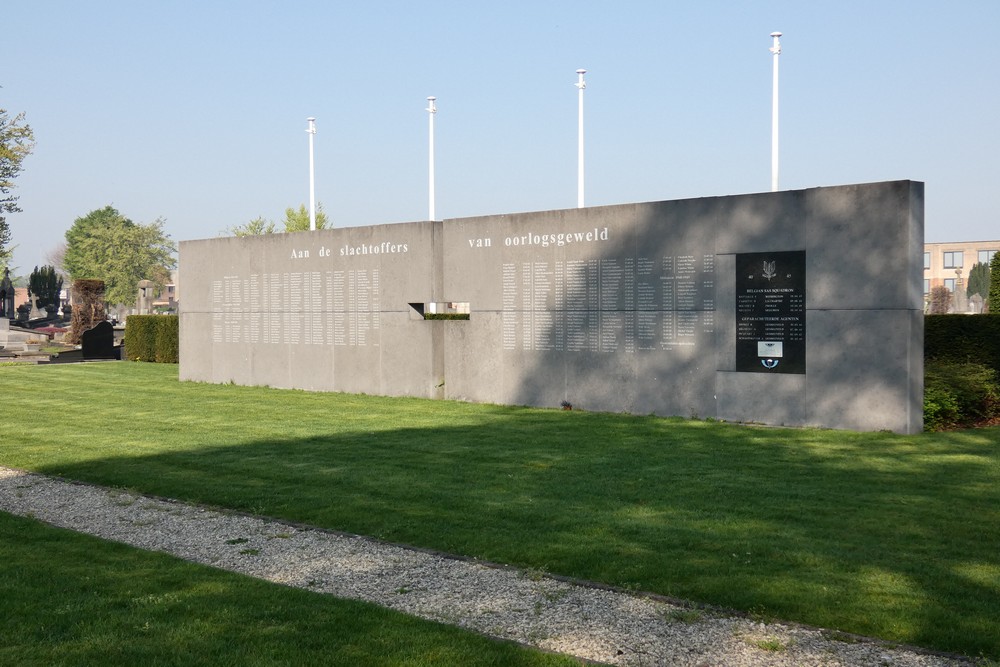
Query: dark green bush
{"points": [[152, 338], [959, 394], [940, 407], [167, 339], [45, 284], [963, 338], [446, 316], [140, 338]]}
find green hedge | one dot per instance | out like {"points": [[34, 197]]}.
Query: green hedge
{"points": [[446, 316], [958, 394], [962, 363], [152, 338], [963, 339]]}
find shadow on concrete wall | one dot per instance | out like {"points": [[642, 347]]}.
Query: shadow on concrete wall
{"points": [[864, 313]]}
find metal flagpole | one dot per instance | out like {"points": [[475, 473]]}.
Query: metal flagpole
{"points": [[776, 50], [311, 129], [431, 109], [580, 84]]}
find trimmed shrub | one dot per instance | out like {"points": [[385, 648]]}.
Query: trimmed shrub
{"points": [[167, 339], [963, 339], [140, 338], [940, 407], [959, 394], [152, 338]]}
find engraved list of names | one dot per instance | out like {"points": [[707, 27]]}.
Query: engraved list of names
{"points": [[335, 307], [608, 305]]}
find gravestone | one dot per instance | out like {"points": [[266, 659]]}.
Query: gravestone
{"points": [[6, 296], [99, 342], [144, 298]]}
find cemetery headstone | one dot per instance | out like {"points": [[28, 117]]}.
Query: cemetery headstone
{"points": [[6, 296], [99, 342], [144, 299]]}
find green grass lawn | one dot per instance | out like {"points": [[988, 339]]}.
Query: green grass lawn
{"points": [[874, 533], [71, 599]]}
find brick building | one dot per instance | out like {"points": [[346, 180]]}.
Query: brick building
{"points": [[948, 264]]}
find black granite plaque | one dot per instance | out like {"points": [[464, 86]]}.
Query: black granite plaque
{"points": [[771, 312]]}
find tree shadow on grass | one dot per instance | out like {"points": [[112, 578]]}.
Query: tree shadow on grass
{"points": [[74, 599], [871, 533]]}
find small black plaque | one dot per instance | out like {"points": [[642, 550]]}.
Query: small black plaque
{"points": [[771, 312]]}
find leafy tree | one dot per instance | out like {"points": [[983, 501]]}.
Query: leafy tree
{"points": [[993, 300], [255, 227], [16, 143], [105, 245], [979, 280], [45, 285], [295, 221], [298, 221]]}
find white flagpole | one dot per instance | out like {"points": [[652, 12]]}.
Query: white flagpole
{"points": [[580, 84], [311, 129], [776, 50], [431, 109]]}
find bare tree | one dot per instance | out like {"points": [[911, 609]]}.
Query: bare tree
{"points": [[56, 258], [940, 300]]}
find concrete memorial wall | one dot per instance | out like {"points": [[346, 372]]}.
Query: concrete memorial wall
{"points": [[796, 308]]}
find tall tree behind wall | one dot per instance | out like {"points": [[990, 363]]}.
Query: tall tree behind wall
{"points": [[105, 245], [979, 281], [45, 285], [16, 143], [295, 221], [298, 220], [993, 300]]}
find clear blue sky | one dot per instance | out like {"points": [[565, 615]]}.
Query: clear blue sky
{"points": [[195, 110]]}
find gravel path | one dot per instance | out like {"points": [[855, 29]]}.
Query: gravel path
{"points": [[610, 627]]}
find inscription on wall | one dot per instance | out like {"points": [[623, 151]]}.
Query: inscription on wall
{"points": [[771, 312], [607, 305], [334, 307]]}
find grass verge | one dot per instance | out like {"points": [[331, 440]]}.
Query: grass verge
{"points": [[878, 534], [71, 599]]}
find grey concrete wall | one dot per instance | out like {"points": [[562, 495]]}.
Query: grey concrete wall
{"points": [[608, 308], [620, 308], [326, 310]]}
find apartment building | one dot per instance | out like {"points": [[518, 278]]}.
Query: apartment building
{"points": [[168, 300], [948, 264]]}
